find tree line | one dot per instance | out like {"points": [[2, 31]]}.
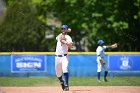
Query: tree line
{"points": [[32, 25]]}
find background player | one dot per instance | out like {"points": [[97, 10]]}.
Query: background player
{"points": [[100, 58], [64, 42]]}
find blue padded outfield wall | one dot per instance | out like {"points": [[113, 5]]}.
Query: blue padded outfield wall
{"points": [[83, 64]]}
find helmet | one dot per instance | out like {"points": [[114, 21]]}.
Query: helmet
{"points": [[64, 27], [100, 42]]}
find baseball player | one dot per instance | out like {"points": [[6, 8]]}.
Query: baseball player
{"points": [[64, 42], [100, 58]]}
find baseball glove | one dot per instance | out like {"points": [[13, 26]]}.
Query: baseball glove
{"points": [[102, 61], [114, 45]]}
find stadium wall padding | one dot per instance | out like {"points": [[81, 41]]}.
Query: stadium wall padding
{"points": [[80, 64]]}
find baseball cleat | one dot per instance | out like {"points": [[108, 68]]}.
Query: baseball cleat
{"points": [[99, 80], [66, 88], [105, 80], [62, 85]]}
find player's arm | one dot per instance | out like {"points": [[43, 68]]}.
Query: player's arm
{"points": [[69, 42], [70, 45]]}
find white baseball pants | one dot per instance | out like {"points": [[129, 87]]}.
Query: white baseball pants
{"points": [[61, 65], [100, 66]]}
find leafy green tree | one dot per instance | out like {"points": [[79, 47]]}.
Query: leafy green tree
{"points": [[112, 21], [22, 30], [30, 23]]}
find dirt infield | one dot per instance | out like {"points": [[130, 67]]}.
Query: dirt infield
{"points": [[73, 89]]}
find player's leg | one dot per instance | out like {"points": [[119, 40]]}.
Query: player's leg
{"points": [[106, 72], [99, 68], [58, 66], [65, 63], [58, 69]]}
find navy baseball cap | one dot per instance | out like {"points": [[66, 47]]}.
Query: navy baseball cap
{"points": [[100, 42], [64, 27]]}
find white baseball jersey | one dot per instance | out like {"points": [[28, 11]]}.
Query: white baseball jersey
{"points": [[62, 48], [100, 51], [61, 63]]}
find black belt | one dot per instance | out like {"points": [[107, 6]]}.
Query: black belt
{"points": [[61, 55]]}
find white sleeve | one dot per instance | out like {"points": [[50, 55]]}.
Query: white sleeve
{"points": [[58, 37], [104, 47]]}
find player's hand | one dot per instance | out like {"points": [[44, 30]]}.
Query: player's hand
{"points": [[114, 45]]}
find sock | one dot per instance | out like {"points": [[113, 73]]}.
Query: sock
{"points": [[98, 75], [66, 76], [60, 79], [106, 72]]}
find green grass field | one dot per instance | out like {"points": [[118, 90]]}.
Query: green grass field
{"points": [[73, 81]]}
